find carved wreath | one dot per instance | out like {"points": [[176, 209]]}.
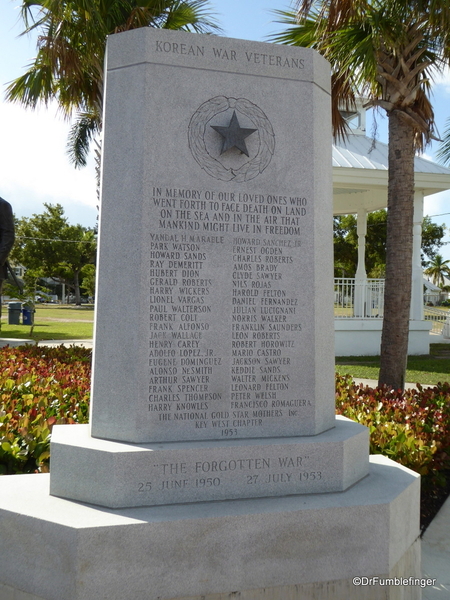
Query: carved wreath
{"points": [[197, 145]]}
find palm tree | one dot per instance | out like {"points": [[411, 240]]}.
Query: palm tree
{"points": [[387, 51], [438, 269], [71, 49], [444, 150]]}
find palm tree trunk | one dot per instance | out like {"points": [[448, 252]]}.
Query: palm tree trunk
{"points": [[399, 250], [76, 280]]}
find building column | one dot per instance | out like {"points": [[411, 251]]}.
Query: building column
{"points": [[361, 275], [416, 313]]}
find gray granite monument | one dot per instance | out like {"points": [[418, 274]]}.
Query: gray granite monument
{"points": [[218, 359], [213, 462]]}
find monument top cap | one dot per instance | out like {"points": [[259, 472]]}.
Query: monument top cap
{"points": [[211, 52]]}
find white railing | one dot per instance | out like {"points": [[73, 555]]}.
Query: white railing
{"points": [[355, 299], [364, 299], [437, 316]]}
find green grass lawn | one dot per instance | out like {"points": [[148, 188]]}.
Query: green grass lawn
{"points": [[52, 322], [429, 369]]}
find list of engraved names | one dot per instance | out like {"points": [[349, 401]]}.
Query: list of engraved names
{"points": [[224, 309]]}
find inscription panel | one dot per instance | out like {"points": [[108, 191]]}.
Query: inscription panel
{"points": [[254, 472], [226, 313], [150, 474]]}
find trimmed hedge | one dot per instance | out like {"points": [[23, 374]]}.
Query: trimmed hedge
{"points": [[410, 427], [39, 386]]}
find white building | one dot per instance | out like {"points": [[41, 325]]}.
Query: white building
{"points": [[360, 180]]}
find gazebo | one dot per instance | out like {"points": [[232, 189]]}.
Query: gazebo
{"points": [[360, 179]]}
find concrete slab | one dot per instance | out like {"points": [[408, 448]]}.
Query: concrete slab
{"points": [[436, 555], [73, 550]]}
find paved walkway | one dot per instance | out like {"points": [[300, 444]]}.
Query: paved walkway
{"points": [[372, 383], [85, 343], [21, 342], [436, 555], [436, 539]]}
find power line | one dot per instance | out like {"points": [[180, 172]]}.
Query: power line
{"points": [[22, 237]]}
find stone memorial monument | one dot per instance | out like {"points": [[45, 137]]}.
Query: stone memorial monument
{"points": [[213, 462]]}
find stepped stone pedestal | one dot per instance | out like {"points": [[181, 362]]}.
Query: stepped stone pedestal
{"points": [[300, 546], [213, 466]]}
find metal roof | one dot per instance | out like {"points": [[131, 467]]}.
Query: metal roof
{"points": [[430, 286], [360, 152]]}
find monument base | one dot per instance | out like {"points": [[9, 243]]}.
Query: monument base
{"points": [[120, 475], [329, 590], [285, 548]]}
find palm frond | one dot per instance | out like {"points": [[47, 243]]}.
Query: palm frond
{"points": [[443, 154], [82, 132], [71, 48], [36, 85], [190, 15]]}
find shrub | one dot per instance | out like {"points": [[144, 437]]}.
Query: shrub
{"points": [[411, 427], [39, 386]]}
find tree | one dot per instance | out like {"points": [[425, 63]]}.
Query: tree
{"points": [[50, 247], [71, 50], [438, 268], [346, 243], [443, 153], [88, 280], [386, 51]]}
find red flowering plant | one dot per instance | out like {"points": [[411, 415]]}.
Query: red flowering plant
{"points": [[412, 427], [39, 386]]}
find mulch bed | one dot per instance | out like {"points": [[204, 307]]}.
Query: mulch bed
{"points": [[431, 502]]}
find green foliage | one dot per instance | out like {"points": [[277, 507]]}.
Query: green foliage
{"points": [[443, 153], [410, 427], [49, 246], [71, 41], [346, 243], [39, 386], [438, 269], [432, 239], [88, 280]]}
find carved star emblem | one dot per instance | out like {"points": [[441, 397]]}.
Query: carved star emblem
{"points": [[234, 135]]}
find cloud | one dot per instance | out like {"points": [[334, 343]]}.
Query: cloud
{"points": [[437, 206], [34, 165], [443, 80]]}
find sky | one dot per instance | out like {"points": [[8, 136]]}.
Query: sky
{"points": [[34, 166]]}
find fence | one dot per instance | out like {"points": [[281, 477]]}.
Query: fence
{"points": [[437, 316], [358, 299]]}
